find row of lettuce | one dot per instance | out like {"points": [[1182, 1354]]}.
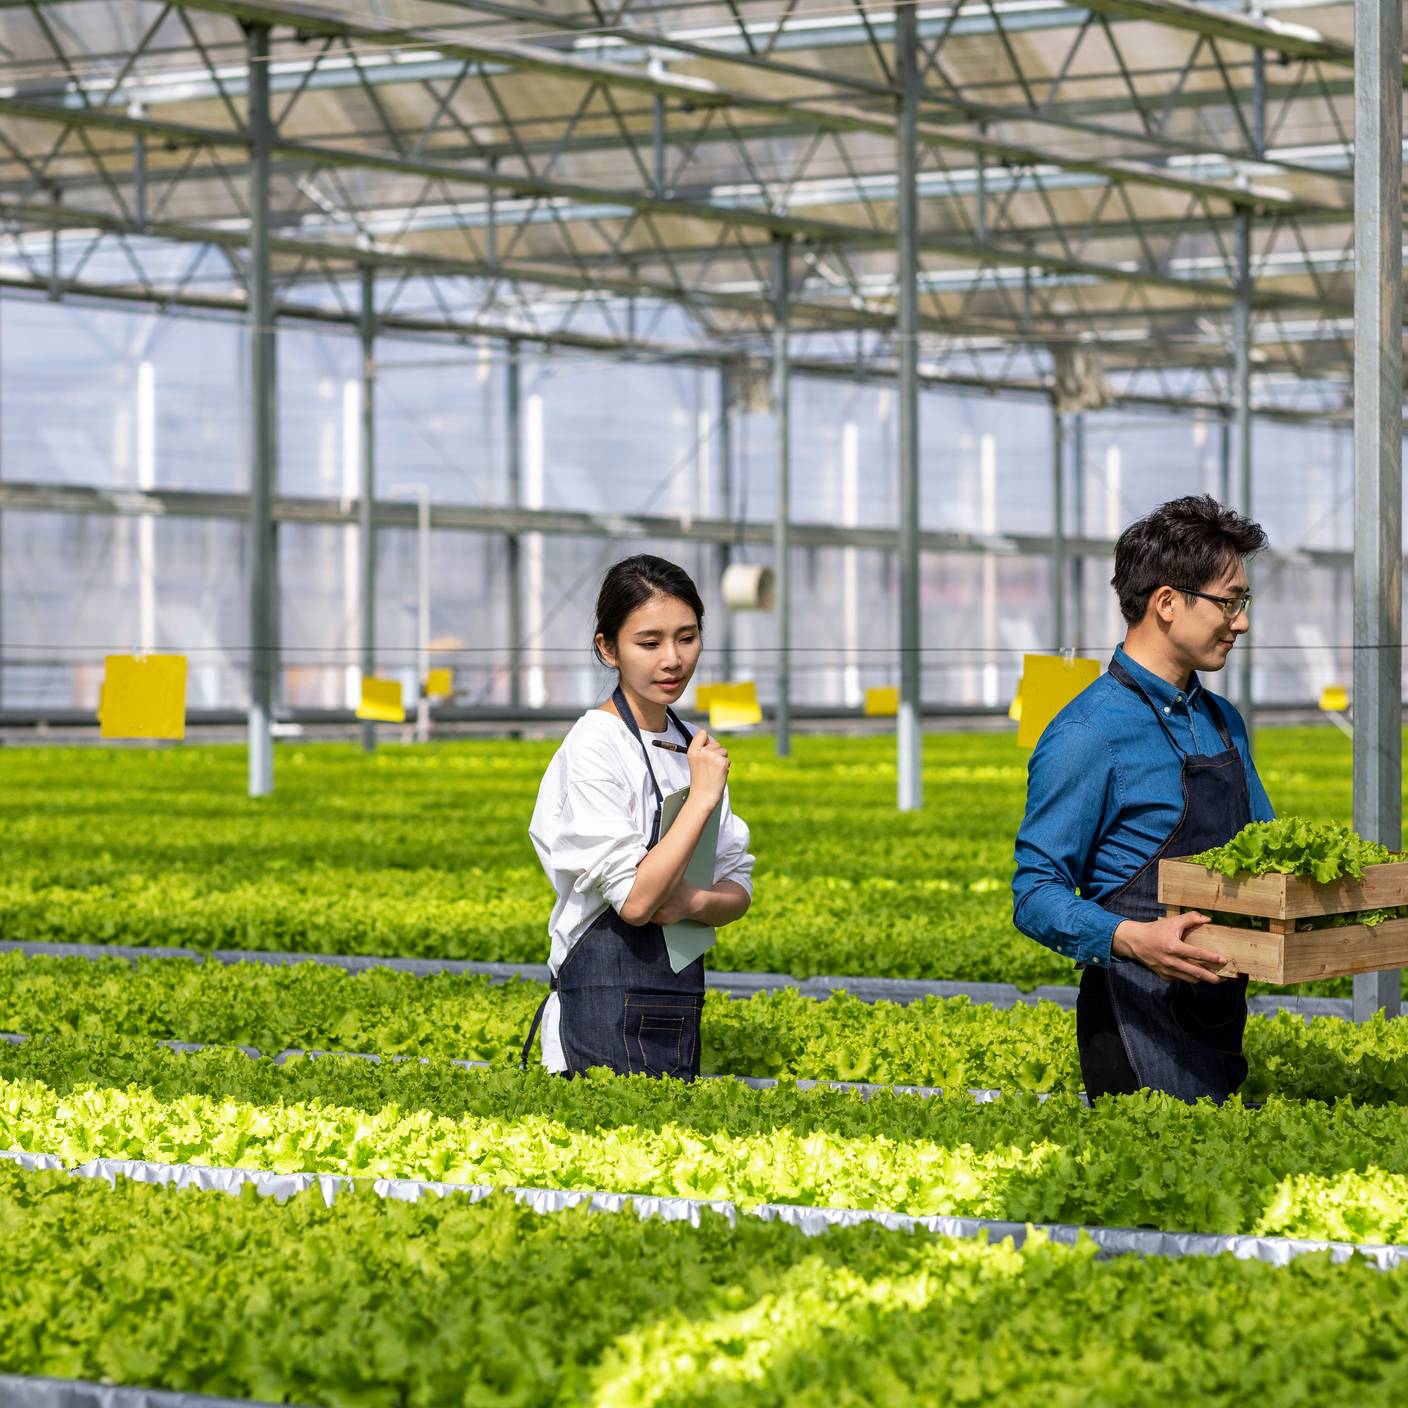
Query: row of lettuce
{"points": [[426, 854], [951, 1043], [375, 1303], [1289, 1168]]}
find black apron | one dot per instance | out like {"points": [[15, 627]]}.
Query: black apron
{"points": [[1134, 1029], [621, 1004]]}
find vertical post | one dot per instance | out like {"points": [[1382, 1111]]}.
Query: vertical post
{"points": [[725, 557], [366, 528], [1243, 411], [261, 436], [782, 528], [515, 543], [1058, 526], [139, 171], [909, 740], [1224, 451], [1378, 447], [1078, 518], [657, 141], [423, 612]]}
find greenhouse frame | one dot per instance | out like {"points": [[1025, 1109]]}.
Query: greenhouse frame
{"points": [[1160, 221]]}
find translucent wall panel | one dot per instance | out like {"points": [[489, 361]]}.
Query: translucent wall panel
{"points": [[614, 438], [76, 587], [845, 456], [318, 407], [468, 612], [985, 463], [104, 397], [441, 420]]}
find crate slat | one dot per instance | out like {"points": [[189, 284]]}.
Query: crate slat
{"points": [[1305, 957], [1184, 885]]}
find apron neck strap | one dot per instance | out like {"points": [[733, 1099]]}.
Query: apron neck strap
{"points": [[627, 716], [1130, 683], [1219, 722]]}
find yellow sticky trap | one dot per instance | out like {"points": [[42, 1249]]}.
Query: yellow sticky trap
{"points": [[882, 701], [439, 684], [143, 696], [1334, 699], [734, 705], [703, 696], [381, 701], [1049, 683], [1014, 709]]}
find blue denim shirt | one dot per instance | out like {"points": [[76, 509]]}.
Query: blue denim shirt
{"points": [[1104, 792]]}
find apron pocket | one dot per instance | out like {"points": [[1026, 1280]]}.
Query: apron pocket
{"points": [[1213, 1013], [661, 1031]]}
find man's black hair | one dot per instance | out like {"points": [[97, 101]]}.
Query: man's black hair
{"points": [[1188, 543]]}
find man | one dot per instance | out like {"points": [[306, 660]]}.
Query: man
{"points": [[1147, 764]]}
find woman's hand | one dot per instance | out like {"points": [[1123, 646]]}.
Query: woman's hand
{"points": [[708, 769], [680, 904]]}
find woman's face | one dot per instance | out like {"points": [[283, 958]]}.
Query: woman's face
{"points": [[656, 649]]}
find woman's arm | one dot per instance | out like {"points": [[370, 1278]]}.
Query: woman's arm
{"points": [[721, 905], [660, 874]]}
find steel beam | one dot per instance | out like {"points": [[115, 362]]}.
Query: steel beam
{"points": [[23, 497], [436, 330], [513, 392], [782, 516], [909, 736], [262, 428], [1260, 32], [1378, 448], [1242, 402], [1059, 568], [692, 93], [366, 528], [757, 218], [725, 550]]}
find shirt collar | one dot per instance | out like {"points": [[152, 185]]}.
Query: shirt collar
{"points": [[1159, 690]]}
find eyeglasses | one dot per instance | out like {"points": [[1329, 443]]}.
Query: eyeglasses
{"points": [[1231, 606]]}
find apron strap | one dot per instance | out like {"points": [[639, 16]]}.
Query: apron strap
{"points": [[1219, 720], [1129, 682], [623, 709], [537, 1022]]}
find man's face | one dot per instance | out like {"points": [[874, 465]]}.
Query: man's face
{"points": [[1200, 629]]}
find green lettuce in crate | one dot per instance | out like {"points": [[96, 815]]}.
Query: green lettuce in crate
{"points": [[1292, 845]]}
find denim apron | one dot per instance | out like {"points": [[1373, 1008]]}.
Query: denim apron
{"points": [[621, 1004], [1136, 1030]]}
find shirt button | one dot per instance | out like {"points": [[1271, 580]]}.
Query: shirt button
{"points": [[1178, 699], [1167, 710]]}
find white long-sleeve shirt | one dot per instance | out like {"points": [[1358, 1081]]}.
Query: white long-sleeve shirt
{"points": [[591, 829]]}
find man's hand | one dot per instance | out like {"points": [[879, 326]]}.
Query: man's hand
{"points": [[1162, 946], [680, 904]]}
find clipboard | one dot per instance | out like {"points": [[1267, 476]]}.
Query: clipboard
{"points": [[685, 941]]}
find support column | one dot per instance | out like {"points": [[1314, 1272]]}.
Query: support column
{"points": [[909, 735], [514, 544], [1378, 446], [1058, 527], [366, 497], [725, 553], [782, 528], [1078, 517], [261, 426], [1243, 412]]}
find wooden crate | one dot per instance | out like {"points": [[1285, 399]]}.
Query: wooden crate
{"points": [[1279, 954]]}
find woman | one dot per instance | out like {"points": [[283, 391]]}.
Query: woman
{"points": [[614, 1000]]}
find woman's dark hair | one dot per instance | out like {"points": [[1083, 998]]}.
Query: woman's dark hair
{"points": [[631, 583], [1183, 543]]}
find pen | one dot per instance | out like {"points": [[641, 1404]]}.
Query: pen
{"points": [[673, 747]]}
